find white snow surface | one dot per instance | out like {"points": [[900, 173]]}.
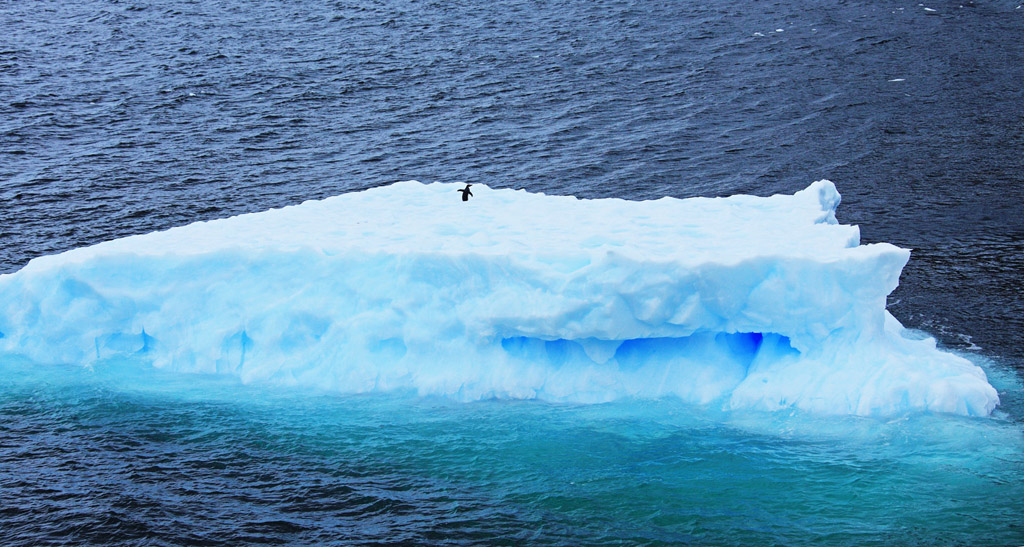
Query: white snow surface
{"points": [[745, 302]]}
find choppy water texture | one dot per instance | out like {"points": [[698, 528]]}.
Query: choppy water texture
{"points": [[119, 455], [119, 118]]}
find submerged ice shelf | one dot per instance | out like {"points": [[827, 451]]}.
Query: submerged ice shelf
{"points": [[752, 302]]}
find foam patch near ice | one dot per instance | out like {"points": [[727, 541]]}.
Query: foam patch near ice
{"points": [[744, 301]]}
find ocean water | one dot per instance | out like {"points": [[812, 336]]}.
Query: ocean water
{"points": [[119, 118], [118, 454]]}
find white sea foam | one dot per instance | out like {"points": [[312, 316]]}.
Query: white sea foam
{"points": [[748, 302]]}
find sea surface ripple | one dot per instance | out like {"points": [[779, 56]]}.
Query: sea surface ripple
{"points": [[129, 116]]}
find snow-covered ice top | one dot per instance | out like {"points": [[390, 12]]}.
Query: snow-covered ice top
{"points": [[412, 217], [751, 302]]}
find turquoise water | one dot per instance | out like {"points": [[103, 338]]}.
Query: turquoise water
{"points": [[123, 453], [120, 118]]}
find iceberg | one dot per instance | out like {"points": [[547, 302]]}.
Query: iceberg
{"points": [[747, 302]]}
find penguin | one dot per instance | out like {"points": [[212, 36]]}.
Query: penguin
{"points": [[466, 193]]}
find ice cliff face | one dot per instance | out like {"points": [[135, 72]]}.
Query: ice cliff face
{"points": [[748, 302]]}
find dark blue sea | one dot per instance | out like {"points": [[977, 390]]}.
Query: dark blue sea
{"points": [[126, 117]]}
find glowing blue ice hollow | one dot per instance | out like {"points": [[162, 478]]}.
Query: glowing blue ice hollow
{"points": [[746, 302]]}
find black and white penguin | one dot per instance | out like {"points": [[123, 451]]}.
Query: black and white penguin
{"points": [[466, 193]]}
